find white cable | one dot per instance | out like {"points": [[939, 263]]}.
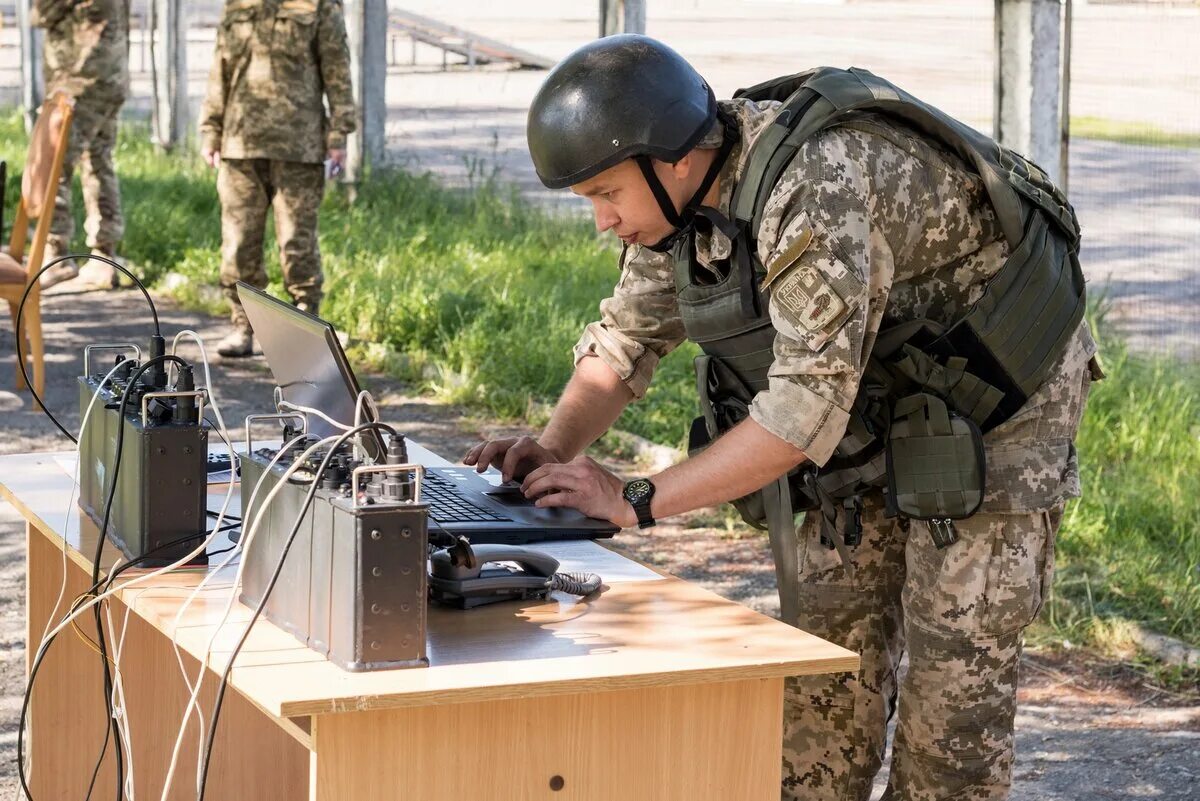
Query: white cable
{"points": [[295, 407], [87, 415], [118, 694], [208, 384], [238, 548], [363, 395], [246, 539]]}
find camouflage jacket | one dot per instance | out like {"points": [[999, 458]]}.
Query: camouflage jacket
{"points": [[87, 45], [884, 226], [276, 62]]}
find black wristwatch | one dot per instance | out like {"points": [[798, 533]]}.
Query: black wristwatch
{"points": [[639, 493]]}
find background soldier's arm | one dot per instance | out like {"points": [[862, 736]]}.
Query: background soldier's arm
{"points": [[212, 113], [333, 55], [48, 13]]}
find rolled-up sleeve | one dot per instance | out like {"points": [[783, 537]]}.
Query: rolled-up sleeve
{"points": [[820, 303], [639, 324]]}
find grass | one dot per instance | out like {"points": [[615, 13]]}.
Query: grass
{"points": [[477, 298], [1131, 133]]}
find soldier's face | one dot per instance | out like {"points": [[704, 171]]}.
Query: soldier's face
{"points": [[623, 203]]}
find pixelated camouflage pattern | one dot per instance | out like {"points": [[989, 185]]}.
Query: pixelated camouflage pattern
{"points": [[86, 56], [899, 230], [959, 613], [86, 46], [276, 61], [247, 189]]}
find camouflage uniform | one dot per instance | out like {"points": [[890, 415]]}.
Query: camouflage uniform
{"points": [[86, 56], [275, 63], [887, 226]]}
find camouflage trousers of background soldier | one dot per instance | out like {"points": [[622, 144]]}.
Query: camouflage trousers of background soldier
{"points": [[960, 613], [248, 188], [90, 146]]}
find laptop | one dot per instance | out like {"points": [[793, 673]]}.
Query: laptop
{"points": [[311, 369]]}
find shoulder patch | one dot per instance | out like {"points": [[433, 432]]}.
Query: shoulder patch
{"points": [[808, 299], [786, 259]]}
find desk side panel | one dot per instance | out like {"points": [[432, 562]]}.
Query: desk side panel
{"points": [[254, 757]]}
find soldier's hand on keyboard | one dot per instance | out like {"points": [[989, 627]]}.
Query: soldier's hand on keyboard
{"points": [[515, 457], [584, 485]]}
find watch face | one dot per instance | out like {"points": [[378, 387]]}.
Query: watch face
{"points": [[638, 490]]}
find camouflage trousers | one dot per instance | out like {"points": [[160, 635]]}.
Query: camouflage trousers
{"points": [[247, 189], [959, 612], [92, 139]]}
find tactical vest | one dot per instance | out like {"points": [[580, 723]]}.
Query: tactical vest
{"points": [[983, 367]]}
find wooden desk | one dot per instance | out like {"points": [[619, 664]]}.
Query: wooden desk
{"points": [[654, 690]]}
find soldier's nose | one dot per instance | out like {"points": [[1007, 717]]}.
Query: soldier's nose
{"points": [[605, 220]]}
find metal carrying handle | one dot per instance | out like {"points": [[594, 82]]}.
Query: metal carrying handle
{"points": [[282, 416], [87, 352], [417, 470], [198, 394]]}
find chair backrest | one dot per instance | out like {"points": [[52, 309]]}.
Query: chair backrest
{"points": [[39, 183]]}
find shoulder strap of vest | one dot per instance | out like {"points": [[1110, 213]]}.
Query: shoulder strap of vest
{"points": [[818, 99]]}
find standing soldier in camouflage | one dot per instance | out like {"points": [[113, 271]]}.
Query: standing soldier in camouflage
{"points": [[264, 127], [873, 284], [86, 56]]}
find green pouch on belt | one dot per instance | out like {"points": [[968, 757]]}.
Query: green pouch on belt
{"points": [[935, 465]]}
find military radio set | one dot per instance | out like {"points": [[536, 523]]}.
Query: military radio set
{"points": [[144, 452], [345, 541], [339, 558]]}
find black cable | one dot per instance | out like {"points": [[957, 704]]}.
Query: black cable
{"points": [[21, 311], [41, 655], [308, 499], [112, 492]]}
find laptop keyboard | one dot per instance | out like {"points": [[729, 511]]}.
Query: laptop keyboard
{"points": [[446, 505]]}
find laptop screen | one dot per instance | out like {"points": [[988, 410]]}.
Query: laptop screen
{"points": [[308, 363]]}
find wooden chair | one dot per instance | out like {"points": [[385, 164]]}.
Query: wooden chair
{"points": [[39, 186]]}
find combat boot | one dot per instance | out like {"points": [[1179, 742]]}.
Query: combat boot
{"points": [[63, 271], [97, 274], [238, 344]]}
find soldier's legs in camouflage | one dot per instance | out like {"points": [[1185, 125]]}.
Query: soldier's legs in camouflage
{"points": [[245, 193], [835, 726], [85, 123], [965, 610], [299, 189], [104, 224]]}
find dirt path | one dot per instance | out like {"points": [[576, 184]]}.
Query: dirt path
{"points": [[1085, 729]]}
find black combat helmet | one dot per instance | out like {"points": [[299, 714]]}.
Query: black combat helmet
{"points": [[612, 99]]}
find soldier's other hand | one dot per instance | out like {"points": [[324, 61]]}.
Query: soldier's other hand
{"points": [[514, 456], [337, 160], [211, 157], [584, 485]]}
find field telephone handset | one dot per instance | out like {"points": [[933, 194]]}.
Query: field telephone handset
{"points": [[466, 575]]}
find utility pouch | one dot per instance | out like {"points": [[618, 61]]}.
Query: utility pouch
{"points": [[936, 469]]}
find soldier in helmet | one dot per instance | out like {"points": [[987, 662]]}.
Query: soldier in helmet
{"points": [[890, 311], [265, 128], [86, 55]]}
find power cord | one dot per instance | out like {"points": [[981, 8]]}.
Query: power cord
{"points": [[21, 310], [247, 538], [308, 499]]}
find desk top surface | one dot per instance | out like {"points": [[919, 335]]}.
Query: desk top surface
{"points": [[634, 634]]}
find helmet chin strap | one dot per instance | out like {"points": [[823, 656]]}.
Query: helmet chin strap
{"points": [[682, 221]]}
